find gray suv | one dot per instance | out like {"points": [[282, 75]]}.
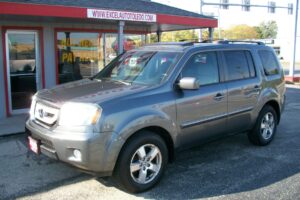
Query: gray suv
{"points": [[131, 118]]}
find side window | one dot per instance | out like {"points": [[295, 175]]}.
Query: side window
{"points": [[238, 66], [204, 67], [269, 62]]}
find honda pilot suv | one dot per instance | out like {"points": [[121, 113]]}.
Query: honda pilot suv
{"points": [[131, 118]]}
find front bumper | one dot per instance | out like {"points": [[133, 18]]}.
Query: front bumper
{"points": [[99, 151]]}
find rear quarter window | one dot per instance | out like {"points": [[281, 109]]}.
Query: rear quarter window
{"points": [[269, 62]]}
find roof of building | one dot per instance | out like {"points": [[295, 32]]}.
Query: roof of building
{"points": [[128, 5]]}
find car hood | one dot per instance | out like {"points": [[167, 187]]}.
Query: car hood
{"points": [[87, 90]]}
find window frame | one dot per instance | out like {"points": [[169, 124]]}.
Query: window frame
{"points": [[225, 66], [219, 65]]}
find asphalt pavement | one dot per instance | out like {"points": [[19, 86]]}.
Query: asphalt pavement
{"points": [[229, 168]]}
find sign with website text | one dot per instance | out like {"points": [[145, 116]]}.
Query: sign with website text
{"points": [[121, 15]]}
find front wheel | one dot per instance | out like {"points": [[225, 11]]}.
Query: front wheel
{"points": [[142, 162], [265, 127]]}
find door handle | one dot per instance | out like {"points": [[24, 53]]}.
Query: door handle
{"points": [[256, 88], [218, 97]]}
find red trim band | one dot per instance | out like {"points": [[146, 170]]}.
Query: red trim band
{"points": [[41, 10], [292, 78], [81, 13], [184, 20]]}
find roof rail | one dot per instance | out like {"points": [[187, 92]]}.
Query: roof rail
{"points": [[195, 41], [172, 43], [240, 41]]}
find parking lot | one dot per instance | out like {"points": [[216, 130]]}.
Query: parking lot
{"points": [[229, 168]]}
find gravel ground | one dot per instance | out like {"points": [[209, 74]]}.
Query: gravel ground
{"points": [[229, 168]]}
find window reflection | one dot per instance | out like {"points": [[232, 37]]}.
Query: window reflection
{"points": [[22, 68], [21, 53], [84, 54], [79, 55], [111, 44]]}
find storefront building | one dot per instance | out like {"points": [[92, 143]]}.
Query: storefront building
{"points": [[49, 43]]}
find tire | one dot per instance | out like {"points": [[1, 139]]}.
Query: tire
{"points": [[146, 170], [265, 127]]}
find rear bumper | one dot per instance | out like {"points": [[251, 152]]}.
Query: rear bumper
{"points": [[99, 151]]}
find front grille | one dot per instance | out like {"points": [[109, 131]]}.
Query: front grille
{"points": [[45, 114]]}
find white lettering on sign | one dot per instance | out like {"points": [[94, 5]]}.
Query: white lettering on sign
{"points": [[121, 15]]}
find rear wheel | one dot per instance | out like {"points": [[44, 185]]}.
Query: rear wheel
{"points": [[142, 162], [265, 127]]}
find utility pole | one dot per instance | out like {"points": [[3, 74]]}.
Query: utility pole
{"points": [[201, 13], [294, 42]]}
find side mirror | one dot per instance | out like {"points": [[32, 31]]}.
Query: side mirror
{"points": [[188, 83]]}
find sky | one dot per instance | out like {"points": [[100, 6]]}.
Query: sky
{"points": [[235, 15]]}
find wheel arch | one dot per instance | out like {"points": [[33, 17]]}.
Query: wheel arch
{"points": [[160, 131], [275, 105]]}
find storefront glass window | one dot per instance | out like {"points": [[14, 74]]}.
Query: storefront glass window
{"points": [[80, 55]]}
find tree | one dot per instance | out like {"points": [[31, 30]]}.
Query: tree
{"points": [[218, 34], [176, 36], [241, 32], [267, 30]]}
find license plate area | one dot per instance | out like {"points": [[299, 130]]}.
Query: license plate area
{"points": [[34, 145]]}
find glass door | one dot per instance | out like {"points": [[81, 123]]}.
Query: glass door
{"points": [[23, 69]]}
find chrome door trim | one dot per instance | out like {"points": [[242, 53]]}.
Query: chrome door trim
{"points": [[236, 112], [198, 122], [209, 119]]}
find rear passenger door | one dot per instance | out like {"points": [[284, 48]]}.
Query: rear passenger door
{"points": [[243, 86], [202, 113]]}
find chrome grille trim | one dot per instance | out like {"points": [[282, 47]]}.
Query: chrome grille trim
{"points": [[45, 114]]}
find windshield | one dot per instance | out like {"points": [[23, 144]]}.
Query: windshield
{"points": [[139, 67]]}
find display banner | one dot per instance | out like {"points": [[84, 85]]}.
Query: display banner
{"points": [[121, 15]]}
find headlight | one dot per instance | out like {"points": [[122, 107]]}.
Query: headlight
{"points": [[32, 107], [79, 114]]}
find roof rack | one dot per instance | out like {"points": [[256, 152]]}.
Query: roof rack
{"points": [[183, 44], [240, 41], [195, 41]]}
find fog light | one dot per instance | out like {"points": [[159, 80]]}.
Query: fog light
{"points": [[77, 155]]}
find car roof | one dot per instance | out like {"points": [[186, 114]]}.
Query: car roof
{"points": [[186, 46]]}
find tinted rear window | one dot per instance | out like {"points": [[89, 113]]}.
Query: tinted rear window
{"points": [[269, 62]]}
